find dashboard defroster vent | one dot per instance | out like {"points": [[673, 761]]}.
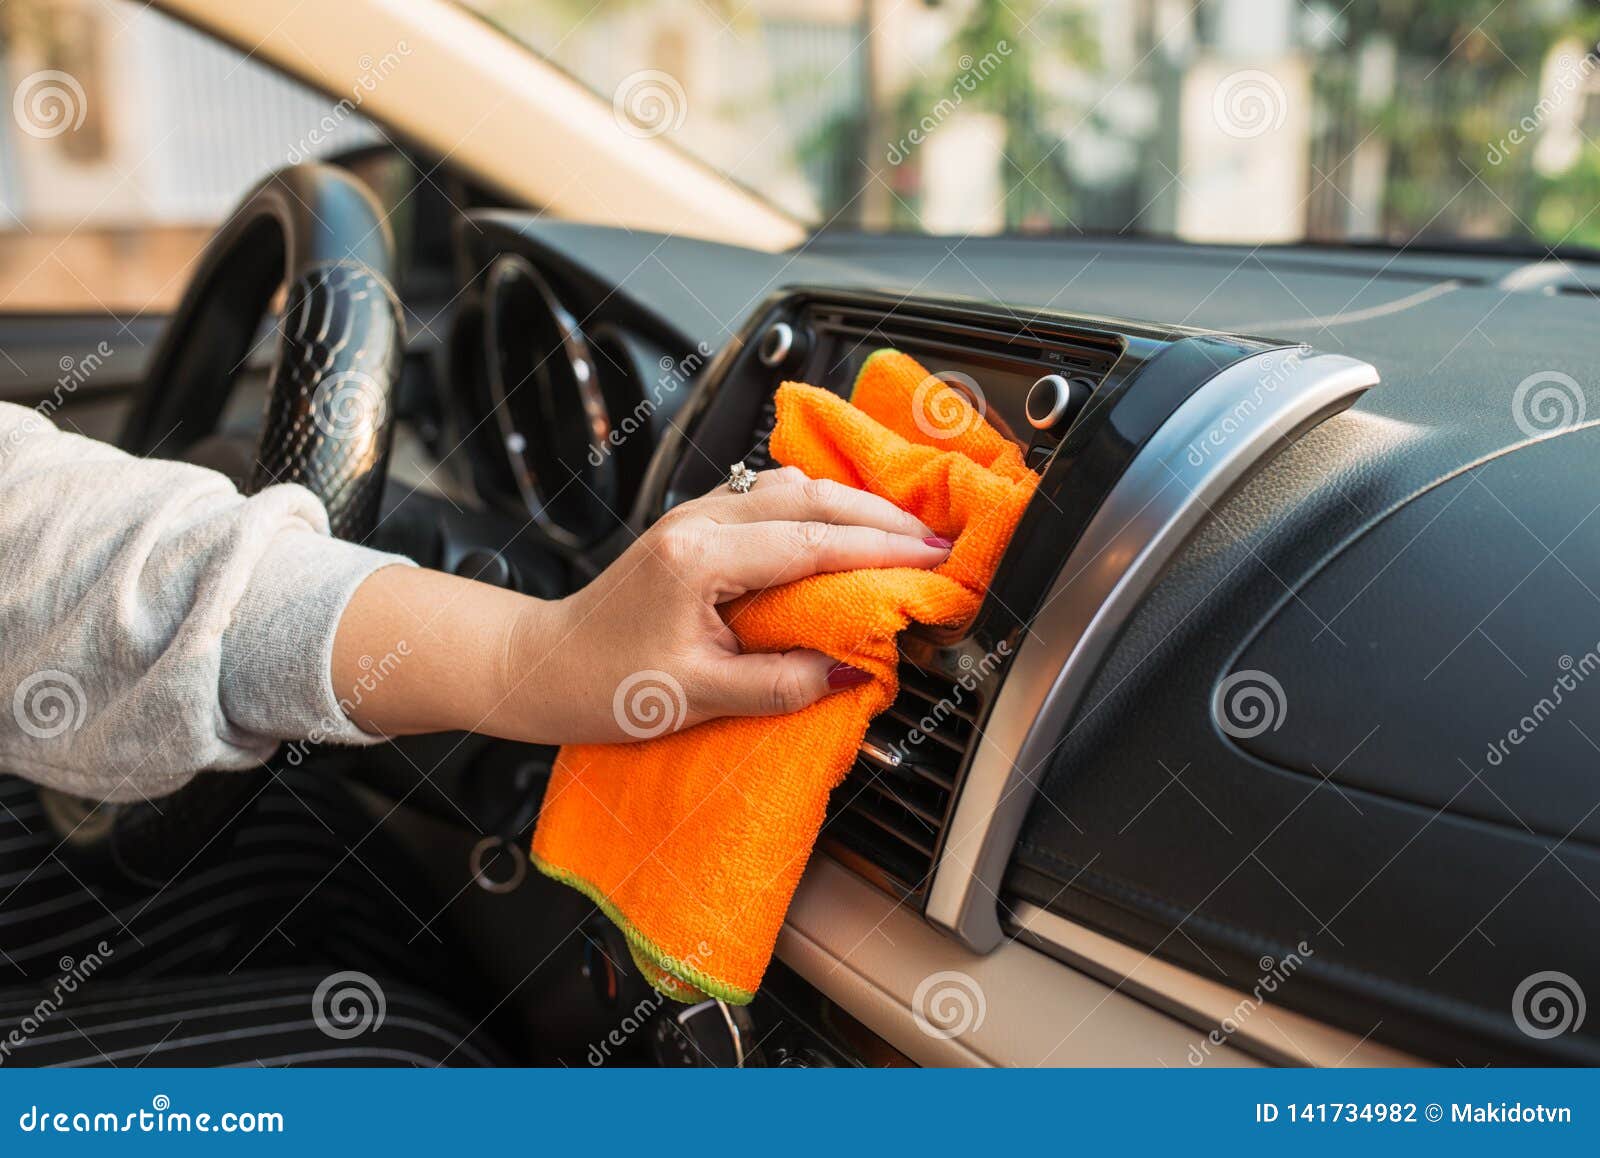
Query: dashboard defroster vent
{"points": [[886, 819]]}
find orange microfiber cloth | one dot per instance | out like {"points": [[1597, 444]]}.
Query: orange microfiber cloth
{"points": [[693, 843]]}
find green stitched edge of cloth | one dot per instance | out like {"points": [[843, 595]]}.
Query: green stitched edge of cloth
{"points": [[684, 973], [862, 372]]}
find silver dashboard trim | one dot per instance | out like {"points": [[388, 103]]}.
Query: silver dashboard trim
{"points": [[1230, 425], [1279, 1035], [1058, 406], [880, 962]]}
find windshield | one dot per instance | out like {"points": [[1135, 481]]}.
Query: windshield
{"points": [[1223, 120]]}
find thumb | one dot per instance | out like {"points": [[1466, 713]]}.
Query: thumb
{"points": [[774, 684]]}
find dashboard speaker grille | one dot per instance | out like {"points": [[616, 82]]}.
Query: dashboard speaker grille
{"points": [[887, 818]]}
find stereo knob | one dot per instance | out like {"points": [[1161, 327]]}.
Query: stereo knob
{"points": [[1053, 399], [777, 343]]}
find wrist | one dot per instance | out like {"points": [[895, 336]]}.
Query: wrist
{"points": [[528, 661]]}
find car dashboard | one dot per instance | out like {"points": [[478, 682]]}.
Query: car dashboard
{"points": [[1191, 745]]}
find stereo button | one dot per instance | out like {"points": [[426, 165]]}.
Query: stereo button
{"points": [[1053, 399]]}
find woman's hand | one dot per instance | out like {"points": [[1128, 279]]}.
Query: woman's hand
{"points": [[641, 650]]}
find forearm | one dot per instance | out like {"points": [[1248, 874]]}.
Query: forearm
{"points": [[423, 651], [155, 621], [641, 650]]}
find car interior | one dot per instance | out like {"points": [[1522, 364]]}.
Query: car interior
{"points": [[1219, 775]]}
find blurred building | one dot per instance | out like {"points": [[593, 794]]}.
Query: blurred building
{"points": [[168, 128]]}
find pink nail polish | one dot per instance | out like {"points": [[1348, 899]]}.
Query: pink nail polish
{"points": [[941, 543], [842, 675]]}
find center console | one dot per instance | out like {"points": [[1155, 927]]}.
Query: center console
{"points": [[1136, 431]]}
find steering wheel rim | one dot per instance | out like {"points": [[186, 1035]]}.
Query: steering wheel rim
{"points": [[319, 231], [328, 426]]}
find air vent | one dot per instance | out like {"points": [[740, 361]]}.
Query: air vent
{"points": [[1032, 340], [760, 456], [1010, 357], [887, 818]]}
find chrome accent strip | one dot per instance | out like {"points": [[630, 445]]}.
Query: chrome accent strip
{"points": [[776, 343], [1058, 407], [873, 957], [733, 1034], [575, 348], [879, 755], [1281, 1036], [1231, 424]]}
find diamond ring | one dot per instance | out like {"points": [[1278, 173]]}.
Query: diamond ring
{"points": [[741, 478]]}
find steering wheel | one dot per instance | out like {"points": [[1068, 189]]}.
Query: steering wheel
{"points": [[320, 232]]}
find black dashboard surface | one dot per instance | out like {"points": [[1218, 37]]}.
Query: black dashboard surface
{"points": [[1411, 574]]}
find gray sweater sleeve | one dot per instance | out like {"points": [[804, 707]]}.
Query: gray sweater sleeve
{"points": [[153, 621]]}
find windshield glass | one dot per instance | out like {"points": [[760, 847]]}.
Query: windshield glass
{"points": [[1223, 120]]}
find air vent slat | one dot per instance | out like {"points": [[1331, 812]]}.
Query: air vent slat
{"points": [[922, 844], [889, 814], [925, 800], [909, 722], [918, 699], [898, 870]]}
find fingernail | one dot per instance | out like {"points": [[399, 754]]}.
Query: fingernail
{"points": [[936, 541], [842, 675]]}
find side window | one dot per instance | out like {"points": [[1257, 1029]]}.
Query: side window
{"points": [[125, 139]]}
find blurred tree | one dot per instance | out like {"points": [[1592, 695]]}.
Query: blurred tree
{"points": [[1467, 72], [1042, 39]]}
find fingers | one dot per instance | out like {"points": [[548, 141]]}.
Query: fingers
{"points": [[787, 495], [756, 555], [773, 685]]}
